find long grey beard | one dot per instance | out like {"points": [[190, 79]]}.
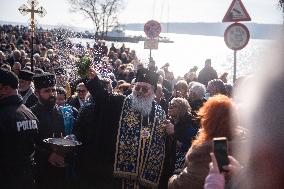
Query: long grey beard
{"points": [[142, 104]]}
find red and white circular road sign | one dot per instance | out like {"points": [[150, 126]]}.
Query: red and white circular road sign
{"points": [[236, 36], [152, 29]]}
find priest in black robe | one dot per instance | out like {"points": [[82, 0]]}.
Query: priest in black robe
{"points": [[26, 89], [123, 138], [50, 165]]}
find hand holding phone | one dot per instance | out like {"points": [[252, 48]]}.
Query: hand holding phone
{"points": [[220, 146]]}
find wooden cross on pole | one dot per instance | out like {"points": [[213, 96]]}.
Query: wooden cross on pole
{"points": [[24, 9]]}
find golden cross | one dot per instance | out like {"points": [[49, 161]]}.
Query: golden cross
{"points": [[24, 9]]}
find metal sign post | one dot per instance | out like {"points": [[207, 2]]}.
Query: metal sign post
{"points": [[236, 35], [152, 30], [236, 38], [151, 44], [235, 66]]}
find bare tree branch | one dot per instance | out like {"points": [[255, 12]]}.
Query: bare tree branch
{"points": [[103, 13], [281, 3]]}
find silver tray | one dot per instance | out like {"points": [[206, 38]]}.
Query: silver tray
{"points": [[62, 146]]}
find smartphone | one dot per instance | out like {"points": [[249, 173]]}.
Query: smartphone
{"points": [[220, 146]]}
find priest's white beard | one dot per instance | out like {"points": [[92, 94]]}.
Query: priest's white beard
{"points": [[142, 104]]}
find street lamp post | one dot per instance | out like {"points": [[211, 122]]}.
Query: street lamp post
{"points": [[24, 9]]}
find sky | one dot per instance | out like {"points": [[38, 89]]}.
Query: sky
{"points": [[140, 11]]}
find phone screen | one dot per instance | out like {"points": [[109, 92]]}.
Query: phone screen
{"points": [[221, 152]]}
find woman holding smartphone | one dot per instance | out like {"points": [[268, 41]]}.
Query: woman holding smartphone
{"points": [[216, 120]]}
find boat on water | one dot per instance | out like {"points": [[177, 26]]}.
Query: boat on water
{"points": [[119, 35]]}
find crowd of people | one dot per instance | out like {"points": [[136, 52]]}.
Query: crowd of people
{"points": [[138, 125]]}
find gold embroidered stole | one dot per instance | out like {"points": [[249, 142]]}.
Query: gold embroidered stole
{"points": [[140, 149]]}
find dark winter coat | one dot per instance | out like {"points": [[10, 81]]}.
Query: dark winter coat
{"points": [[207, 74], [18, 129], [74, 102], [185, 130]]}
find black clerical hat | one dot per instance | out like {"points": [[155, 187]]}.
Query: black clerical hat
{"points": [[8, 78], [147, 76], [44, 80], [26, 75]]}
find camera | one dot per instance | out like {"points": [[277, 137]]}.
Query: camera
{"points": [[220, 146]]}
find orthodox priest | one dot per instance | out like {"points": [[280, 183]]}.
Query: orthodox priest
{"points": [[50, 165], [26, 89], [123, 137]]}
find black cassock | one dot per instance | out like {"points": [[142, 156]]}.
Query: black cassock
{"points": [[97, 129], [51, 124], [29, 98]]}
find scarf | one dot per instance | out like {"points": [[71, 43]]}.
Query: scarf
{"points": [[68, 118]]}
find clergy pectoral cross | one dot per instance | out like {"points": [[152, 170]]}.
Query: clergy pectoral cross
{"points": [[145, 133]]}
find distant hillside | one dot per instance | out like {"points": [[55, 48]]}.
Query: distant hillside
{"points": [[257, 31], [78, 29]]}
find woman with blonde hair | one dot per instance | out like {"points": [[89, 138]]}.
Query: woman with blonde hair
{"points": [[185, 129], [216, 120]]}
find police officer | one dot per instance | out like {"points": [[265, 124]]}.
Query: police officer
{"points": [[50, 165], [18, 128]]}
